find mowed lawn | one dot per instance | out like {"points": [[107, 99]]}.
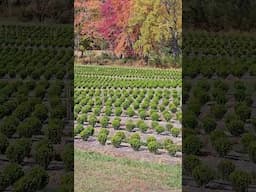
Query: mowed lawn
{"points": [[95, 172]]}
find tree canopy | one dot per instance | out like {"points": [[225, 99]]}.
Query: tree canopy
{"points": [[130, 27]]}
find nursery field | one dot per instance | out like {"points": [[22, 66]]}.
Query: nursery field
{"points": [[132, 113], [36, 148], [219, 112]]}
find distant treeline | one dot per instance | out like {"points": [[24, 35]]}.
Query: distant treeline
{"points": [[57, 11], [218, 15]]}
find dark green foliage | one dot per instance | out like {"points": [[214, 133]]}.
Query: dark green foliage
{"points": [[247, 139], [222, 145], [9, 174], [67, 156], [3, 143], [54, 130], [225, 168], [202, 175], [243, 111], [189, 120], [209, 124], [190, 162], [218, 110], [235, 127], [43, 153], [29, 127], [8, 125], [18, 150], [192, 145], [41, 112], [240, 180], [252, 151], [36, 179]]}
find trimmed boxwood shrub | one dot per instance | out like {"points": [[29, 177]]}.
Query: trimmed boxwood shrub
{"points": [[67, 156], [116, 123], [173, 108], [240, 180], [104, 122], [247, 139], [151, 138], [172, 149], [117, 139], [209, 124], [190, 162], [54, 130], [225, 168], [222, 145], [35, 180], [154, 116], [130, 112], [194, 106], [118, 111], [189, 120], [41, 112], [82, 118], [18, 150], [218, 110], [92, 120], [3, 143], [103, 136], [78, 129], [167, 115], [29, 127], [192, 145], [243, 111], [159, 129], [252, 151], [169, 126], [8, 125], [154, 124], [175, 131], [167, 142], [43, 153], [10, 173], [87, 132], [135, 141], [96, 111], [142, 126], [108, 111], [235, 127], [23, 110], [240, 95], [202, 174], [153, 146], [129, 125], [143, 114]]}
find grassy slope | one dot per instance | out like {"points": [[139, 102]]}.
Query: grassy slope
{"points": [[100, 173]]}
